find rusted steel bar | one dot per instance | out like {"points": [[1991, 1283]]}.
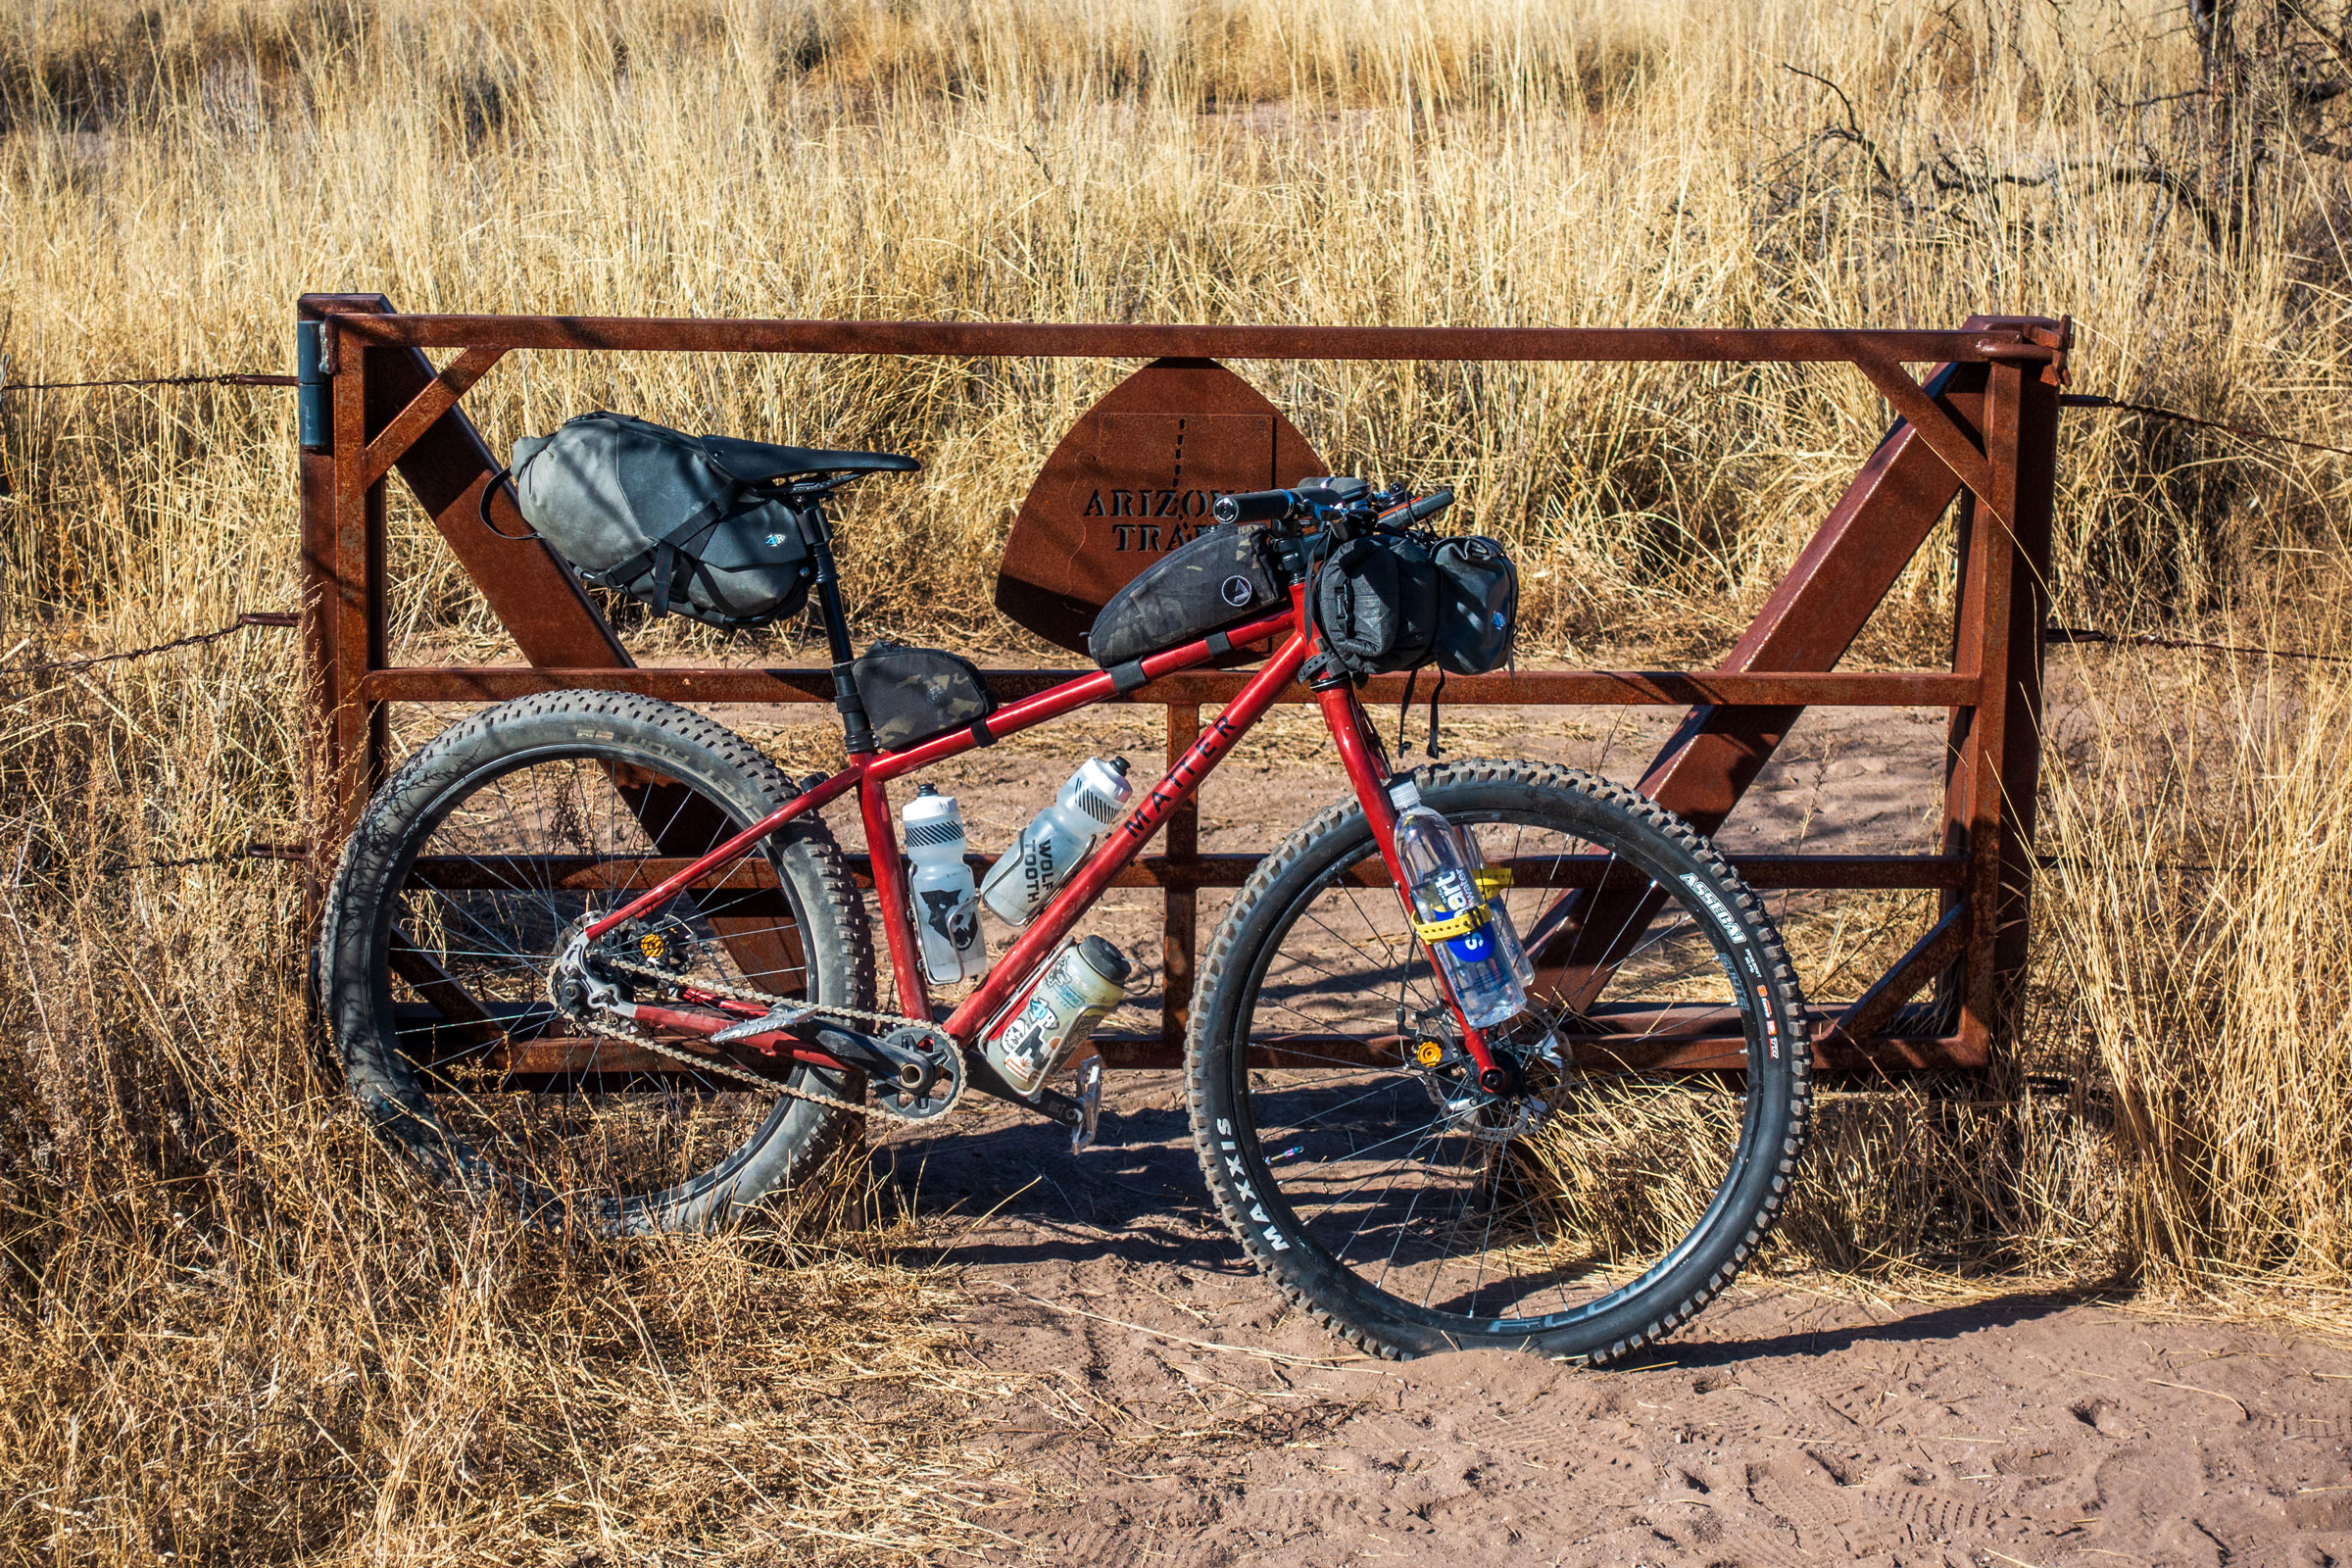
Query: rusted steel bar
{"points": [[1999, 576], [1927, 418], [358, 572], [1885, 872], [2033, 492], [1124, 340], [438, 397], [1915, 970], [1675, 1054], [559, 1057], [1179, 872], [1592, 688]]}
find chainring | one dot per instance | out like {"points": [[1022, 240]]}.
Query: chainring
{"points": [[946, 1081]]}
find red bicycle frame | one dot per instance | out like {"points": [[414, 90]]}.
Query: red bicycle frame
{"points": [[872, 772]]}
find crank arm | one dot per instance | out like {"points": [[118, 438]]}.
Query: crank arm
{"points": [[877, 1059], [1052, 1104]]}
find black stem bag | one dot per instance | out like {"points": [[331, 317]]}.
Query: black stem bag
{"points": [[1401, 600]]}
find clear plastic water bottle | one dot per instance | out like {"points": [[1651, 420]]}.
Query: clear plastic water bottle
{"points": [[1057, 840], [1077, 992], [1485, 962], [940, 893]]}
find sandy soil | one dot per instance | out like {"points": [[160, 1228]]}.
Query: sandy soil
{"points": [[1164, 1404], [1168, 1406]]}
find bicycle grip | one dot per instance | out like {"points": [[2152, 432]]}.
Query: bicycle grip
{"points": [[1254, 505], [1429, 506]]}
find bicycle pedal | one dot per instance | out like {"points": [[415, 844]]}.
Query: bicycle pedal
{"points": [[1090, 1100], [766, 1023]]}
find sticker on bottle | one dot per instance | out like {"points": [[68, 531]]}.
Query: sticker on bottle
{"points": [[1475, 948]]}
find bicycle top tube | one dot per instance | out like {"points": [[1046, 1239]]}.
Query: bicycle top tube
{"points": [[875, 769]]}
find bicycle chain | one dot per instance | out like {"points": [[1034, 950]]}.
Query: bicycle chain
{"points": [[598, 1026], [719, 988]]}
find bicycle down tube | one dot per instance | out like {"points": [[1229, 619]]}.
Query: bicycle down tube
{"points": [[1009, 979]]}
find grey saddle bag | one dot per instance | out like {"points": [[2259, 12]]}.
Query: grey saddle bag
{"points": [[659, 515]]}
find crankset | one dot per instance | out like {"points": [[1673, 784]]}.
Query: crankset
{"points": [[929, 1079]]}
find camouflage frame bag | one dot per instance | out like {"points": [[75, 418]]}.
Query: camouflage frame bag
{"points": [[911, 693], [1208, 583]]}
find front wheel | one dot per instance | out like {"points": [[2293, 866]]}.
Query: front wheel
{"points": [[1661, 1089]]}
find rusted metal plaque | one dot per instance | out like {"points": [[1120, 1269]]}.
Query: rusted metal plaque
{"points": [[1133, 480]]}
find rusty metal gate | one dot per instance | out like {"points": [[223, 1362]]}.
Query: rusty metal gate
{"points": [[1132, 478]]}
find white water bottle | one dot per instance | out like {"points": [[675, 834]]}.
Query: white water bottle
{"points": [[1077, 992], [1484, 961], [1057, 839], [940, 894]]}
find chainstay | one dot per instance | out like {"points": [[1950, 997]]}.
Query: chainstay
{"points": [[719, 988], [705, 1064]]}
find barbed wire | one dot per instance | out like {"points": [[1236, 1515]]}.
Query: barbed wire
{"points": [[245, 851], [2089, 634], [225, 378], [252, 618], [2093, 400]]}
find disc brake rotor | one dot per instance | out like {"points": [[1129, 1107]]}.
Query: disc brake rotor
{"points": [[1451, 1078]]}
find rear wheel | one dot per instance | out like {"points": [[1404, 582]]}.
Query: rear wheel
{"points": [[1661, 1094], [463, 881]]}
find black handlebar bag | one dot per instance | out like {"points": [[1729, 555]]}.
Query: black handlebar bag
{"points": [[658, 515], [1477, 605], [1387, 602]]}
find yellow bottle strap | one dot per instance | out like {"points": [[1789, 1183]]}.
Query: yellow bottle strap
{"points": [[1456, 925], [1491, 879]]}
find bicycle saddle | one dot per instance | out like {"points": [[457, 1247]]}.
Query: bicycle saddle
{"points": [[763, 462]]}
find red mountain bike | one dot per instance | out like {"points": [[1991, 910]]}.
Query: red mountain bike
{"points": [[596, 956]]}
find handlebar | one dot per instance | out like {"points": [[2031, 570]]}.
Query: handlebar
{"points": [[1326, 496], [1429, 506], [1256, 506]]}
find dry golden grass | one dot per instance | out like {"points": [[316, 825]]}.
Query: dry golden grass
{"points": [[175, 178], [229, 1332], [233, 1330]]}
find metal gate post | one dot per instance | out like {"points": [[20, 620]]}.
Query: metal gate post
{"points": [[1993, 766], [361, 737]]}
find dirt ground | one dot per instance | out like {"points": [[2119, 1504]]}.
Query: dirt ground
{"points": [[1162, 1404], [1168, 1406]]}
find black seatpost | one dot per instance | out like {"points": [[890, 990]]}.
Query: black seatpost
{"points": [[858, 733]]}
